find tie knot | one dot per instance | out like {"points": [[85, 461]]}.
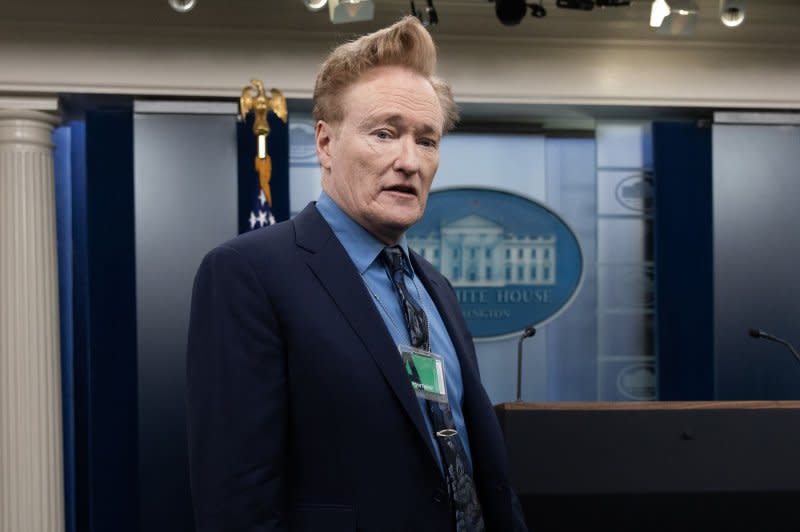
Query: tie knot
{"points": [[393, 258]]}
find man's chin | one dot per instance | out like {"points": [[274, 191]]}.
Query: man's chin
{"points": [[390, 230], [402, 224]]}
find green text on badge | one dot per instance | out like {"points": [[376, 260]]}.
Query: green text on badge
{"points": [[426, 374]]}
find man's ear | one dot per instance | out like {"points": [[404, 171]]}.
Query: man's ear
{"points": [[323, 136]]}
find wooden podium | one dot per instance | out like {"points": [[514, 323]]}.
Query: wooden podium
{"points": [[655, 466]]}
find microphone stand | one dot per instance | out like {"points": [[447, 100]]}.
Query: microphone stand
{"points": [[527, 333], [758, 333]]}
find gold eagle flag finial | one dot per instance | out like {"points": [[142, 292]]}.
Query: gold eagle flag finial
{"points": [[254, 98]]}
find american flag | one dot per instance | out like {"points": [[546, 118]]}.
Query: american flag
{"points": [[261, 215]]}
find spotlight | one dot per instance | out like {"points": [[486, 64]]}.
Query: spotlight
{"points": [[182, 6], [674, 17], [314, 5], [658, 12], [429, 17], [583, 5], [538, 10], [510, 12], [430, 11], [350, 10], [731, 12]]}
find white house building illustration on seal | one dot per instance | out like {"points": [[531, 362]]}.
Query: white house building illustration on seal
{"points": [[475, 251]]}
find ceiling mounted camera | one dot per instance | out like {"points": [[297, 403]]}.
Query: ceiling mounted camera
{"points": [[583, 5]]}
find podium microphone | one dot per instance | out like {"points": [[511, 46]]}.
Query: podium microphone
{"points": [[758, 333], [529, 331]]}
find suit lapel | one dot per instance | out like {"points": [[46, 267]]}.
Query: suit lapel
{"points": [[330, 263]]}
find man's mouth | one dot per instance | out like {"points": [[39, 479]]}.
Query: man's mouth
{"points": [[405, 189]]}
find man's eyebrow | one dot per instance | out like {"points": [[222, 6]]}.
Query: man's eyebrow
{"points": [[397, 121]]}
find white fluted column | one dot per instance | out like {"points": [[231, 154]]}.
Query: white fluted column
{"points": [[31, 451]]}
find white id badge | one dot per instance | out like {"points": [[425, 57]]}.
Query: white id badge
{"points": [[425, 371]]}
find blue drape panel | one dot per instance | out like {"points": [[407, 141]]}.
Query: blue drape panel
{"points": [[97, 283], [94, 202], [110, 369], [684, 261], [64, 165]]}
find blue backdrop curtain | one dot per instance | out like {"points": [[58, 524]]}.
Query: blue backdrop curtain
{"points": [[684, 261], [94, 177], [94, 202], [68, 164]]}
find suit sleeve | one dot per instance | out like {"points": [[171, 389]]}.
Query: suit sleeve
{"points": [[236, 400]]}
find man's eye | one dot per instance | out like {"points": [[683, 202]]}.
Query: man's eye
{"points": [[382, 134], [428, 143]]}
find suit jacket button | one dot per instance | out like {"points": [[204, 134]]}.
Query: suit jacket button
{"points": [[499, 488], [438, 495]]}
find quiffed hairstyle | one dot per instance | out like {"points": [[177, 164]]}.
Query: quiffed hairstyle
{"points": [[405, 43]]}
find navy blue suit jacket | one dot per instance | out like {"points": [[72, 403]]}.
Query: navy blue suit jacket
{"points": [[300, 414]]}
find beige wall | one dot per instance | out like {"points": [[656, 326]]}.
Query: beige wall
{"points": [[131, 59]]}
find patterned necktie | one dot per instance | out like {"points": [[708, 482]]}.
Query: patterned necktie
{"points": [[460, 485]]}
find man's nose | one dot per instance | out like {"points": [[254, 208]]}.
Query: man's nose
{"points": [[407, 160]]}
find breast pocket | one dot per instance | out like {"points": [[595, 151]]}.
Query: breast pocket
{"points": [[323, 518]]}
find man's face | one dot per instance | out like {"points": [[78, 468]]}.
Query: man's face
{"points": [[378, 163]]}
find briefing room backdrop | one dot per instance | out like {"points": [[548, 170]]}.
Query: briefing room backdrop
{"points": [[720, 262], [151, 191]]}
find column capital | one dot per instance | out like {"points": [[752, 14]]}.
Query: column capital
{"points": [[25, 126], [31, 103]]}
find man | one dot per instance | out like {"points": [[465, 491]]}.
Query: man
{"points": [[305, 337]]}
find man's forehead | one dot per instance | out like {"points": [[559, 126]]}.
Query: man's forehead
{"points": [[395, 82], [412, 112]]}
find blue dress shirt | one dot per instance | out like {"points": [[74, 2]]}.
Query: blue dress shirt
{"points": [[364, 250]]}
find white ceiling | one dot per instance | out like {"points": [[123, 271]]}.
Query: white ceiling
{"points": [[770, 25], [768, 22]]}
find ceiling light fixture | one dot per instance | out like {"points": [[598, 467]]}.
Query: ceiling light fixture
{"points": [[658, 12], [432, 15], [538, 10], [342, 11], [583, 5], [612, 3], [182, 6], [429, 17], [731, 12], [315, 5], [674, 17], [510, 12]]}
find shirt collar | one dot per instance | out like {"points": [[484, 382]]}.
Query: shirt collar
{"points": [[360, 245]]}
